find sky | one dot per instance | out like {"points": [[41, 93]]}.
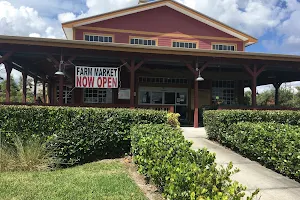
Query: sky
{"points": [[274, 22]]}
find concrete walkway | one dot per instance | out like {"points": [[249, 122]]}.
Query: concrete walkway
{"points": [[272, 185]]}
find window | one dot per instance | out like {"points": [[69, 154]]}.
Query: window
{"points": [[140, 41], [223, 92], [187, 45], [223, 47], [67, 94], [92, 95], [98, 38]]}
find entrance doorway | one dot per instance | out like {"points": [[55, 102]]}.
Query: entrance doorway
{"points": [[177, 97]]}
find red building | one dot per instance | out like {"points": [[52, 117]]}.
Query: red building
{"points": [[159, 49]]}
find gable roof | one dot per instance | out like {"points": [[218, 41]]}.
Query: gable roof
{"points": [[68, 26]]}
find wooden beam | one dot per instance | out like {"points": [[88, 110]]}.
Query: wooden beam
{"points": [[248, 69], [125, 63], [44, 90], [61, 88], [260, 70], [34, 89], [24, 92], [189, 66], [6, 56], [204, 66], [196, 102], [139, 65], [8, 69], [53, 60]]}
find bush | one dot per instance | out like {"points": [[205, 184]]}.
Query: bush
{"points": [[173, 119], [277, 146], [76, 135], [25, 156], [217, 122], [164, 156]]}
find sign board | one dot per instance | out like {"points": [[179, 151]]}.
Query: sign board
{"points": [[124, 93], [96, 77]]}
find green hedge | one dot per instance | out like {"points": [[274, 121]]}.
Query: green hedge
{"points": [[165, 157], [76, 135], [216, 122], [277, 146]]}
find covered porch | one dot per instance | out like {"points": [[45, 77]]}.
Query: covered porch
{"points": [[149, 77]]}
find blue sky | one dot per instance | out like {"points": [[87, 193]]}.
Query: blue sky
{"points": [[274, 22]]}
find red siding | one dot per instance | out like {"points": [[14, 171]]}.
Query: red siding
{"points": [[163, 20], [162, 41]]}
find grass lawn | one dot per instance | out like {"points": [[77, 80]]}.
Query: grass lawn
{"points": [[99, 180]]}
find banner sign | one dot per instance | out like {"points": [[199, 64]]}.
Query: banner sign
{"points": [[96, 77]]}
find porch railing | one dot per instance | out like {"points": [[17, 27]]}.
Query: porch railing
{"points": [[150, 107]]}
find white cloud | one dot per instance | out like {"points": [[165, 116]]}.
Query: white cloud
{"points": [[96, 7], [64, 17], [25, 21], [254, 17], [34, 35]]}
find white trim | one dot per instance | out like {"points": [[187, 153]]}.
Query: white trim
{"points": [[170, 6], [69, 33]]}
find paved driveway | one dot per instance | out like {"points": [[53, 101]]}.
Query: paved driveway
{"points": [[272, 185]]}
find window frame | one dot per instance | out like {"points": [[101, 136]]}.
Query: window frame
{"points": [[138, 38], [183, 43], [108, 99], [99, 35], [223, 45]]}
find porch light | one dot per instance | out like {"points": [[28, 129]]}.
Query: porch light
{"points": [[200, 78], [60, 71]]}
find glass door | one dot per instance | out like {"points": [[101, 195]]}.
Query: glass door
{"points": [[177, 97]]}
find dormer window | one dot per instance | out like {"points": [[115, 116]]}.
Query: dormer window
{"points": [[183, 44], [224, 47], [143, 41], [98, 38]]}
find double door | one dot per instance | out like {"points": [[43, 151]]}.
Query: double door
{"points": [[177, 97]]}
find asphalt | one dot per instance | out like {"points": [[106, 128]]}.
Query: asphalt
{"points": [[273, 186]]}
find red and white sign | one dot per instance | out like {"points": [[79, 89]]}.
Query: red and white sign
{"points": [[96, 77]]}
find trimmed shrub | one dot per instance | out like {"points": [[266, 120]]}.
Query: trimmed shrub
{"points": [[216, 122], [277, 146], [76, 135], [165, 157], [173, 119]]}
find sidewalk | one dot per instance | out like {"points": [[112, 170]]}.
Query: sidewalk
{"points": [[272, 185]]}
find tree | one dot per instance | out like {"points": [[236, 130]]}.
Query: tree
{"points": [[286, 97], [29, 88], [247, 98], [14, 91]]}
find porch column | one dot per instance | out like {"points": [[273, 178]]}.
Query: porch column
{"points": [[61, 90], [8, 69], [132, 68], [196, 103], [24, 92], [253, 89], [277, 86], [132, 80], [254, 73], [34, 89], [49, 92], [195, 72], [44, 91]]}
